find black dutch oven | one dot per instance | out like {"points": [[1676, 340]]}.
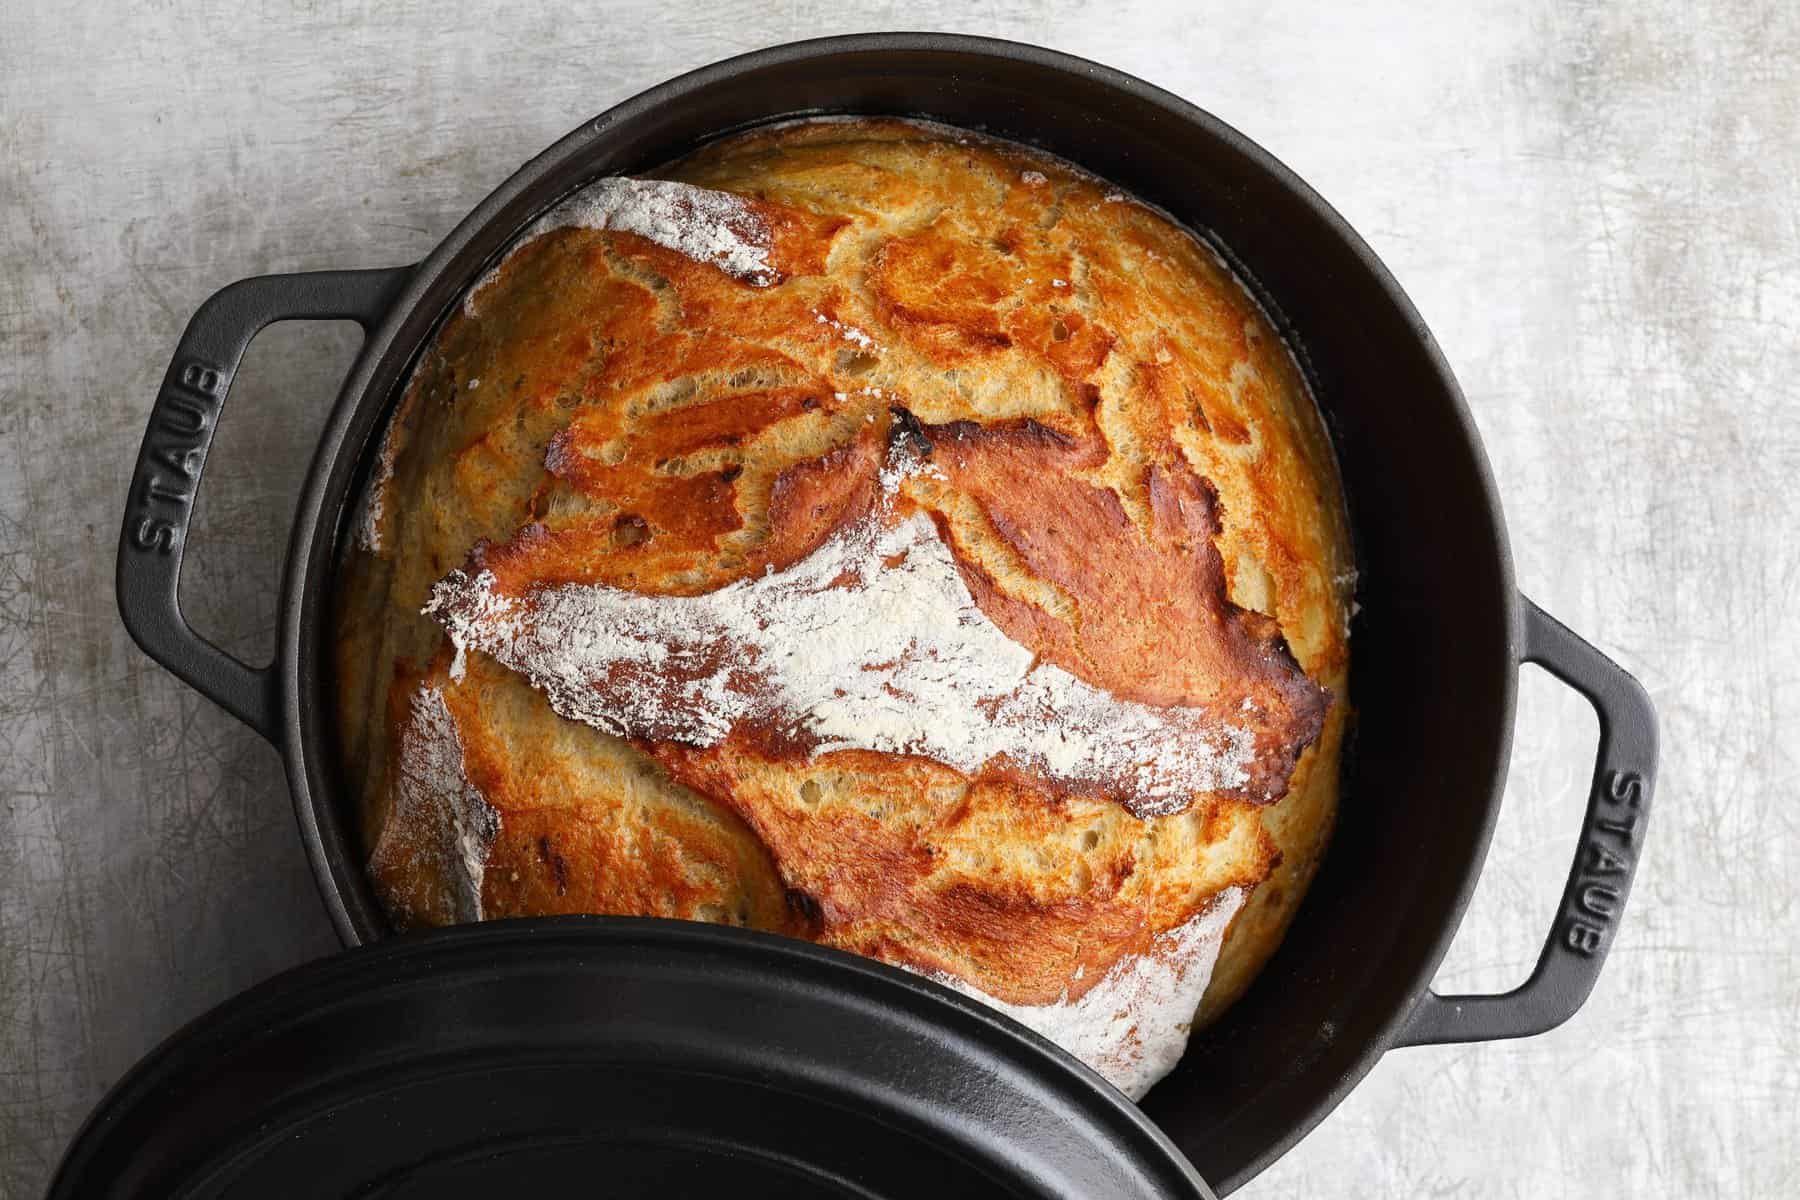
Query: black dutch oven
{"points": [[1437, 645]]}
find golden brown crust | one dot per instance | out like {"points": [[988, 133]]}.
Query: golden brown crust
{"points": [[1149, 618], [1134, 484]]}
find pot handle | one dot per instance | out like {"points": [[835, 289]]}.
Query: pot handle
{"points": [[161, 503], [1605, 858]]}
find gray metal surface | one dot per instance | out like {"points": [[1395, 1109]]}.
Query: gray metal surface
{"points": [[1593, 206]]}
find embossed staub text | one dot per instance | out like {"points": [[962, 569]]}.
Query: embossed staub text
{"points": [[1605, 864], [163, 491]]}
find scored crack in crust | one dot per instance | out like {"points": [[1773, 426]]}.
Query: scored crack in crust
{"points": [[875, 639], [937, 555]]}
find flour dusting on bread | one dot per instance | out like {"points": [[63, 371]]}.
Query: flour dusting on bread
{"points": [[1133, 1025], [872, 642], [718, 228], [438, 811]]}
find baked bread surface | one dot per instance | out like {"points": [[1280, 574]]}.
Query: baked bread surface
{"points": [[940, 334]]}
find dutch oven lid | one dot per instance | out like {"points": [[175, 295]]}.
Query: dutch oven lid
{"points": [[628, 1057]]}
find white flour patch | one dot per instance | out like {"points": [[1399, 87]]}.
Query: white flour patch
{"points": [[849, 333], [708, 226], [872, 642], [1132, 1026], [435, 798]]}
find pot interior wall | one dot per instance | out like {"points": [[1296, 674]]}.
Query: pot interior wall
{"points": [[1432, 666]]}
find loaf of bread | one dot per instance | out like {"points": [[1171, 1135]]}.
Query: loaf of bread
{"points": [[873, 533]]}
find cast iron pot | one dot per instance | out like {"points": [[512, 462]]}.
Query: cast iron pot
{"points": [[1437, 645]]}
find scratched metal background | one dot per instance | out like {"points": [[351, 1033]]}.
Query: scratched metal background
{"points": [[1594, 205]]}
